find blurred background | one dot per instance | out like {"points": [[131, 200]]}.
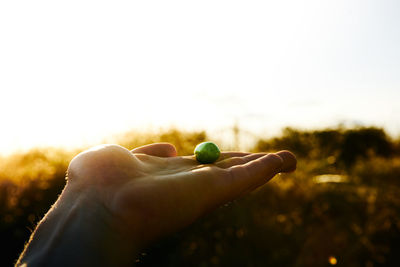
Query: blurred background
{"points": [[320, 78]]}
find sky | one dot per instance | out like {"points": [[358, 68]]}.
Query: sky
{"points": [[74, 72]]}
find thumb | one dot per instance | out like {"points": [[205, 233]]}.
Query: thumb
{"points": [[157, 149]]}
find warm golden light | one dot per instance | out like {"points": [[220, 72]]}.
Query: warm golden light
{"points": [[332, 260], [267, 64]]}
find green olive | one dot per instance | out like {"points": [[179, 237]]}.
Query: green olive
{"points": [[207, 152]]}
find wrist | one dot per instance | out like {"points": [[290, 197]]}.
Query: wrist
{"points": [[78, 230]]}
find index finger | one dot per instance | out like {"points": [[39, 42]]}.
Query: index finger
{"points": [[218, 185], [254, 173], [230, 154]]}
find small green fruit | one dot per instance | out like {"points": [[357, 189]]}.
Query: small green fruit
{"points": [[207, 152]]}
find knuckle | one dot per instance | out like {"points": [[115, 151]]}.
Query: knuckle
{"points": [[277, 160]]}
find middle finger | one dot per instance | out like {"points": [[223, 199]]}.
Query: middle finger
{"points": [[238, 160]]}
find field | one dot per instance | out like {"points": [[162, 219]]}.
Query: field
{"points": [[341, 207]]}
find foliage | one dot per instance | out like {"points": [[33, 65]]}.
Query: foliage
{"points": [[295, 220], [342, 146]]}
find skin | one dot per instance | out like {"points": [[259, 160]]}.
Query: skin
{"points": [[117, 201]]}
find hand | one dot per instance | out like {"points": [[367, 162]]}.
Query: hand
{"points": [[143, 194]]}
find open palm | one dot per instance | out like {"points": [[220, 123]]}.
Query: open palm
{"points": [[150, 191]]}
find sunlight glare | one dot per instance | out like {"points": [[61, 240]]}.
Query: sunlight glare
{"points": [[72, 74]]}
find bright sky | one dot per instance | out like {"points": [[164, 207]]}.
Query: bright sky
{"points": [[73, 72]]}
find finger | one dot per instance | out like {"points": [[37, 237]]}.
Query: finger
{"points": [[289, 161], [183, 160], [157, 149], [191, 160], [218, 185], [289, 165], [221, 185], [254, 173], [288, 157], [232, 161], [230, 154]]}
